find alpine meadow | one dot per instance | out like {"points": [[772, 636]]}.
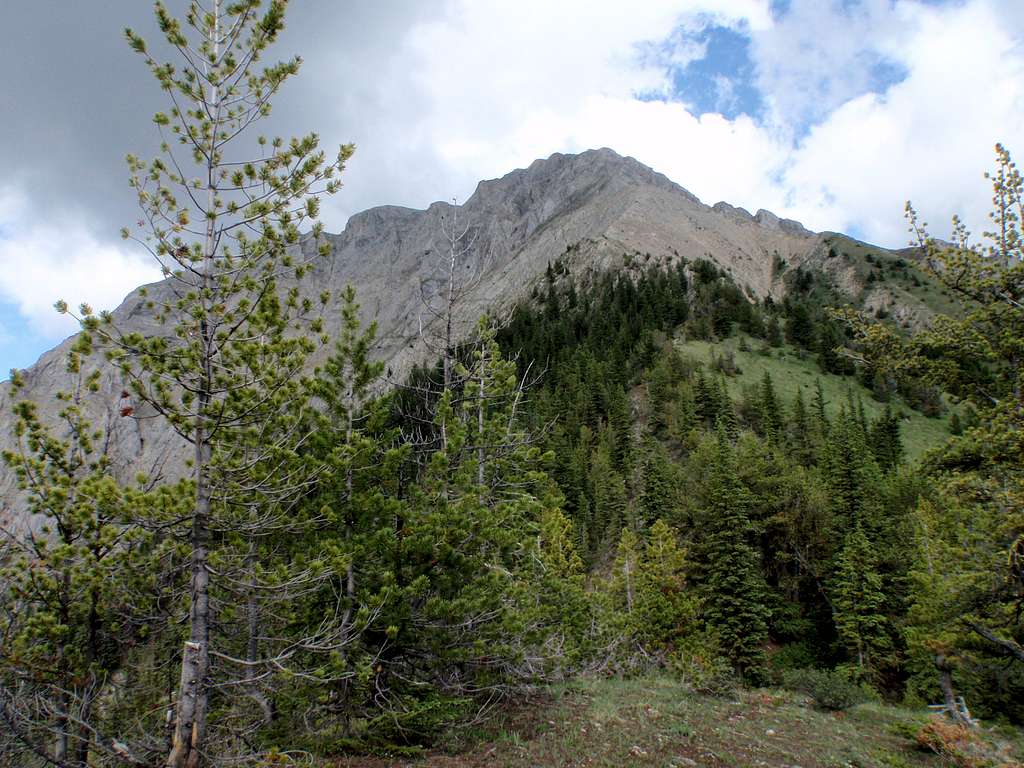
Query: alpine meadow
{"points": [[579, 472]]}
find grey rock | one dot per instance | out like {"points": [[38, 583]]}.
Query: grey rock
{"points": [[589, 209]]}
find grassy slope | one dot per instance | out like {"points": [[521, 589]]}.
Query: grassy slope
{"points": [[909, 283], [656, 722], [789, 373]]}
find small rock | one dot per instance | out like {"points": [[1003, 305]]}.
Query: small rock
{"points": [[636, 751], [770, 732]]}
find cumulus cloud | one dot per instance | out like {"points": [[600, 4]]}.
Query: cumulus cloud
{"points": [[864, 104], [927, 138], [41, 262]]}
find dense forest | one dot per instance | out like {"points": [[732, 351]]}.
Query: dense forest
{"points": [[356, 564]]}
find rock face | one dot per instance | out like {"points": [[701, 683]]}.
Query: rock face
{"points": [[591, 210]]}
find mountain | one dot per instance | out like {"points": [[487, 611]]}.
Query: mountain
{"points": [[591, 211]]}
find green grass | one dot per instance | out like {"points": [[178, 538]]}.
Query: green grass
{"points": [[791, 373], [910, 285], [656, 721]]}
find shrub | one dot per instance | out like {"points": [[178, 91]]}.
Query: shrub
{"points": [[960, 746], [701, 667], [830, 689]]}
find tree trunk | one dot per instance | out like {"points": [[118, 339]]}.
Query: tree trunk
{"points": [[948, 694], [190, 727], [89, 693], [193, 694]]}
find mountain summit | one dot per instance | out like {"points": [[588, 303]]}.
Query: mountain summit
{"points": [[592, 211]]}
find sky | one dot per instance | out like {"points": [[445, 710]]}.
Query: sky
{"points": [[831, 112]]}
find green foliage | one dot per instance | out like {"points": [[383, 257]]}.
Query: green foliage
{"points": [[831, 689], [968, 582], [81, 587], [859, 601], [732, 582]]}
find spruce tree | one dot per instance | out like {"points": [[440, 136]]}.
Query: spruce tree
{"points": [[801, 438], [774, 332], [770, 412], [658, 493], [859, 602], [818, 404], [885, 440], [726, 415], [706, 401], [733, 585]]}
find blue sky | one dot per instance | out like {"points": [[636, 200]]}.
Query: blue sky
{"points": [[832, 112]]}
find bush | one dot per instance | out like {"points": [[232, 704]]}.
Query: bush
{"points": [[830, 689], [701, 667], [960, 746]]}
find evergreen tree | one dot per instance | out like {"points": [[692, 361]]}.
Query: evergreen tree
{"points": [[229, 377], [79, 589], [975, 355], [800, 435], [774, 332], [658, 489], [769, 411], [610, 502], [666, 609], [800, 330], [859, 601], [706, 400], [848, 469], [885, 440], [818, 410], [733, 586], [726, 415]]}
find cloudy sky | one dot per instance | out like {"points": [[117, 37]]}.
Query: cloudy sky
{"points": [[832, 112]]}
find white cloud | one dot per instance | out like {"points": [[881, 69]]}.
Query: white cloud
{"points": [[487, 87], [482, 88], [41, 262], [928, 138]]}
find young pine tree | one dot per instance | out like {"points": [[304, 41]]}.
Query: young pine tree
{"points": [[666, 608], [228, 373], [79, 589]]}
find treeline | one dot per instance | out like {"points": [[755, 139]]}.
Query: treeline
{"points": [[462, 539]]}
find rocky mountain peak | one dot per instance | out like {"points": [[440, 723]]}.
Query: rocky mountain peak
{"points": [[593, 210]]}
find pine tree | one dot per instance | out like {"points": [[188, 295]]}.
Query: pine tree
{"points": [[974, 354], [800, 329], [666, 609], [79, 589], [229, 374], [774, 332], [658, 494], [848, 468], [800, 436], [626, 570], [726, 415], [733, 586], [705, 395], [553, 605], [885, 440], [821, 421], [610, 509]]}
